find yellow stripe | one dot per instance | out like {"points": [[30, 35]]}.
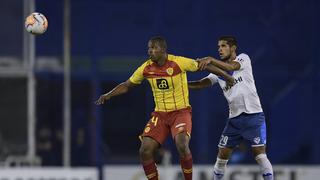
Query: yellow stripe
{"points": [[164, 97], [164, 101], [154, 95], [184, 100], [173, 91]]}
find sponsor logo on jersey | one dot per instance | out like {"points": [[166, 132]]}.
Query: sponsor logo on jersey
{"points": [[236, 81], [162, 84]]}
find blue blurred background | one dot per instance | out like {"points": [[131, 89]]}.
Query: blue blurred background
{"points": [[109, 40]]}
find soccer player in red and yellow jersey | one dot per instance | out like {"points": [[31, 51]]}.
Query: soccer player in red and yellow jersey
{"points": [[168, 79]]}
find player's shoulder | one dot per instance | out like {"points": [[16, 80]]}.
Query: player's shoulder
{"points": [[172, 57], [243, 57], [143, 66], [146, 63]]}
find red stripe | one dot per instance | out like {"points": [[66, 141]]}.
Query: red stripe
{"points": [[155, 71], [164, 103], [184, 100], [174, 99], [154, 94]]}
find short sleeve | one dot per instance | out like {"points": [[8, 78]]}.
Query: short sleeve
{"points": [[244, 60], [213, 78], [137, 77], [187, 64]]}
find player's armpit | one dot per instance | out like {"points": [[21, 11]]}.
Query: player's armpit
{"points": [[130, 84]]}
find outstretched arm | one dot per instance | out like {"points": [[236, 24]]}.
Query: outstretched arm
{"points": [[231, 66], [202, 83], [118, 90]]}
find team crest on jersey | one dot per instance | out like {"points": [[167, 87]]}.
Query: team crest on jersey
{"points": [[256, 140], [170, 71]]}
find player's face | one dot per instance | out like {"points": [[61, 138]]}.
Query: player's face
{"points": [[155, 51], [224, 50]]}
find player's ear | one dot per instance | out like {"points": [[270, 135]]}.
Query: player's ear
{"points": [[164, 49], [234, 47]]}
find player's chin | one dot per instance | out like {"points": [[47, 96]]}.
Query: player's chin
{"points": [[153, 59], [223, 57]]}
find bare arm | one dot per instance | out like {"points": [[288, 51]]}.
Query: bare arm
{"points": [[231, 66], [202, 83], [215, 70], [118, 90]]}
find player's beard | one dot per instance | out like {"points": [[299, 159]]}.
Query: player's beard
{"points": [[154, 59], [225, 58]]}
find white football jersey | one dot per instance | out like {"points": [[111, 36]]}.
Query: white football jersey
{"points": [[243, 96]]}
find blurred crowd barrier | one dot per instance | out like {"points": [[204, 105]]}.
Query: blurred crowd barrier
{"points": [[135, 172]]}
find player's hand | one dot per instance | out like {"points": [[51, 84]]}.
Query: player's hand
{"points": [[103, 98], [203, 62], [230, 82]]}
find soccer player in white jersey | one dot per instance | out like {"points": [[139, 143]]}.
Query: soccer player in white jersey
{"points": [[246, 119]]}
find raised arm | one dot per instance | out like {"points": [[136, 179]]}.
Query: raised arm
{"points": [[231, 66], [118, 90], [202, 83]]}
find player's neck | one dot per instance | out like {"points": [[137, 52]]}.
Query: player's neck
{"points": [[232, 57], [163, 60]]}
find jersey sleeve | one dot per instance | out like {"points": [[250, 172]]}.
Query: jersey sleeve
{"points": [[187, 64], [213, 78], [137, 77], [244, 60]]}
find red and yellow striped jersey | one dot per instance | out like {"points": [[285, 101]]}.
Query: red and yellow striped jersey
{"points": [[168, 82]]}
